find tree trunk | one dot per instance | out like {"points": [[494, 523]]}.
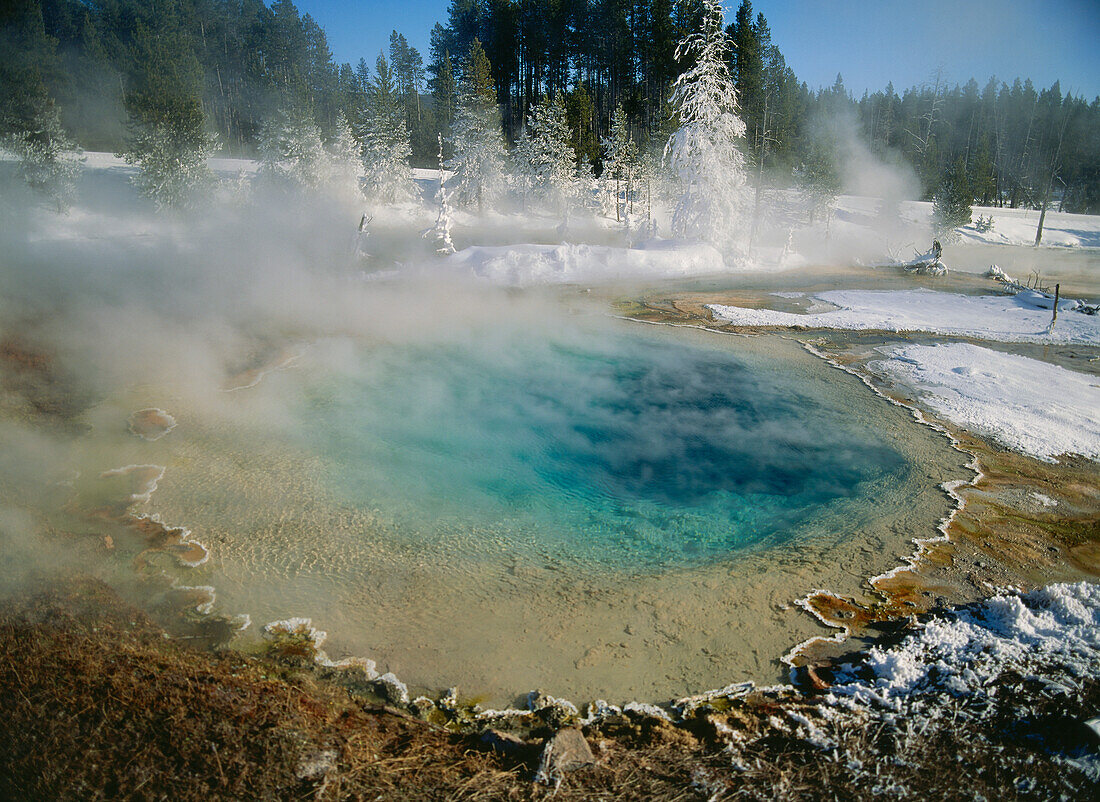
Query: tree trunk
{"points": [[1042, 216]]}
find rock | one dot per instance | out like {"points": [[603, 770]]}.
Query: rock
{"points": [[554, 711], [566, 751], [318, 766], [1092, 728], [503, 743], [644, 710], [422, 707], [391, 689], [449, 700]]}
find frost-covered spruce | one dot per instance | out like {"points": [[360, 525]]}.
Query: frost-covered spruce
{"points": [[703, 152], [172, 156], [819, 181], [951, 205], [620, 164], [544, 158], [476, 139], [385, 138], [292, 155], [345, 161], [586, 191], [48, 160], [442, 230]]}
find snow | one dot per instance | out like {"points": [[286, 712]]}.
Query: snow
{"points": [[1010, 226], [528, 264], [1053, 631], [1043, 499], [1029, 406], [703, 151], [1018, 226], [986, 317]]}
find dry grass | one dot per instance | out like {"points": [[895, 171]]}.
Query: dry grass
{"points": [[98, 704]]}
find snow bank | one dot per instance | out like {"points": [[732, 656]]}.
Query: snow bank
{"points": [[857, 213], [1018, 226], [524, 265], [97, 160], [988, 317], [1027, 405], [1053, 632]]}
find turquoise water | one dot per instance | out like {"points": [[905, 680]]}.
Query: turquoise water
{"points": [[608, 447]]}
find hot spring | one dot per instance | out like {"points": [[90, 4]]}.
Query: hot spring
{"points": [[590, 507]]}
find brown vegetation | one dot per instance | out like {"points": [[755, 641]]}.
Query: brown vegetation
{"points": [[98, 704]]}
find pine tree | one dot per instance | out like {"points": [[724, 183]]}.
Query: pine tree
{"points": [[445, 96], [386, 148], [818, 178], [169, 141], [345, 162], [951, 205], [703, 152], [476, 140], [747, 52], [620, 161], [47, 158], [292, 155], [441, 232], [408, 74], [579, 114], [172, 156], [545, 158]]}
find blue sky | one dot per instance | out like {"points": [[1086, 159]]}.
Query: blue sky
{"points": [[869, 42]]}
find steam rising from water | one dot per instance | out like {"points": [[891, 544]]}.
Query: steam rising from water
{"points": [[606, 442], [110, 311]]}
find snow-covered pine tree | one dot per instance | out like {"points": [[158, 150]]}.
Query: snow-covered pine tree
{"points": [[385, 138], [650, 180], [476, 138], [169, 141], [819, 180], [620, 162], [442, 230], [545, 159], [172, 155], [47, 161], [587, 190], [703, 152], [292, 155], [345, 162], [952, 203]]}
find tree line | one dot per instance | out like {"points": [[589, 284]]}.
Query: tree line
{"points": [[225, 67]]}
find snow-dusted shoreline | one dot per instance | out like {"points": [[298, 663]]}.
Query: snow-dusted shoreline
{"points": [[1026, 405], [1002, 318]]}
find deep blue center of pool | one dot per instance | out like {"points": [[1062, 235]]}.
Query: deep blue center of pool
{"points": [[621, 448]]}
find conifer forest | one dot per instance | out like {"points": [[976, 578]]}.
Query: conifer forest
{"points": [[217, 71]]}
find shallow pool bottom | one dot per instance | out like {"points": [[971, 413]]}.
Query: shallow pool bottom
{"points": [[600, 510]]}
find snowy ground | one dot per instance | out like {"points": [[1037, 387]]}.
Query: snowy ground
{"points": [[524, 265], [1050, 635], [1026, 405], [1010, 226], [1005, 318]]}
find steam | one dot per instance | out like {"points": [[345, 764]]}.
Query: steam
{"points": [[112, 309], [872, 227]]}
